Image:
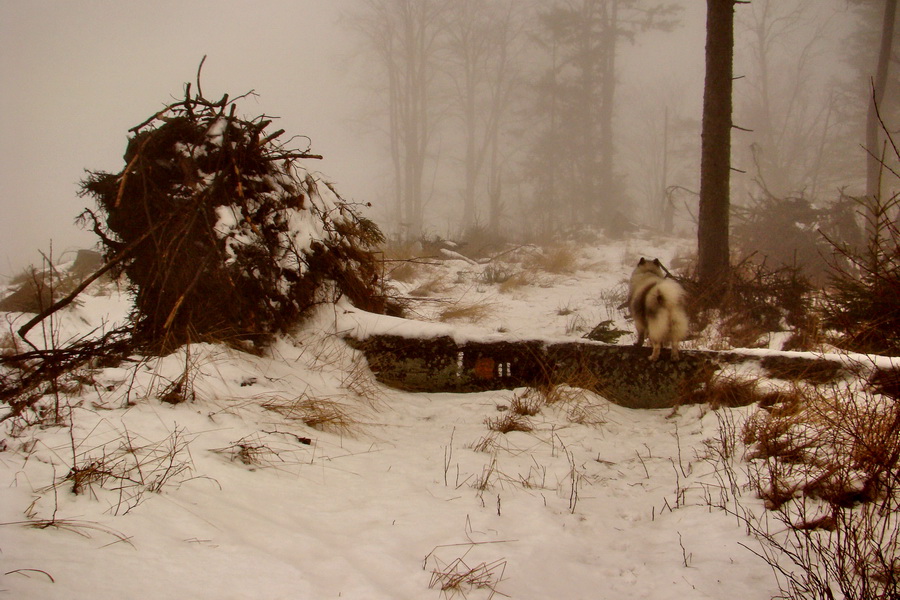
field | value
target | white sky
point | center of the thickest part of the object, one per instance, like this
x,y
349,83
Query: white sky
x,y
76,75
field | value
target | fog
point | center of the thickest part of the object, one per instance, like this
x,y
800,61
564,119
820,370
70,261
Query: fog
x,y
77,75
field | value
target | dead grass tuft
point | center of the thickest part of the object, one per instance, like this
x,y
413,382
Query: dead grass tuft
x,y
516,281
582,406
254,451
436,283
487,444
584,411
724,391
320,414
456,577
508,423
404,271
528,404
475,312
358,378
556,259
498,274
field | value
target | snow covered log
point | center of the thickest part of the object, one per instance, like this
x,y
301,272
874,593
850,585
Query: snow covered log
x,y
622,374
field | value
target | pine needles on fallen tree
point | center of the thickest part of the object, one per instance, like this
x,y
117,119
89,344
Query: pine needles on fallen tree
x,y
223,237
242,241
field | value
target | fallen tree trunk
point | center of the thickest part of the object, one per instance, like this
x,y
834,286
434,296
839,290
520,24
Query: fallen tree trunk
x,y
622,374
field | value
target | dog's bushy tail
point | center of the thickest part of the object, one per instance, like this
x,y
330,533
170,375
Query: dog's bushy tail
x,y
665,303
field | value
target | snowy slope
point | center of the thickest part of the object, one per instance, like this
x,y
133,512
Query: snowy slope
x,y
389,496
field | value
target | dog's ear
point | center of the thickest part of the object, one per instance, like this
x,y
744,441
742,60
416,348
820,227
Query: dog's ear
x,y
657,263
642,261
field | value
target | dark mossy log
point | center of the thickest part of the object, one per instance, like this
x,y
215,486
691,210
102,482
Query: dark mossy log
x,y
622,374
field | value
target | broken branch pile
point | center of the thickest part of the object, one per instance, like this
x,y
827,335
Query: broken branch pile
x,y
228,237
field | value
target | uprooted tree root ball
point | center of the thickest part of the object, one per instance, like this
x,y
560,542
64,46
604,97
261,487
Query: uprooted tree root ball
x,y
222,234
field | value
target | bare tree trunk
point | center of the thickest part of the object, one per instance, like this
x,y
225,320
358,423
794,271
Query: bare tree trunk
x,y
666,206
715,166
873,139
606,173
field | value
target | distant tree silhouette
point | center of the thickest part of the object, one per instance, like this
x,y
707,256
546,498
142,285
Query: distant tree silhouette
x,y
576,99
404,36
481,46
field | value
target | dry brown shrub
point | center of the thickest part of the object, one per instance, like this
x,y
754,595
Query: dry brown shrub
x,y
828,467
837,446
755,301
782,403
776,437
886,382
129,467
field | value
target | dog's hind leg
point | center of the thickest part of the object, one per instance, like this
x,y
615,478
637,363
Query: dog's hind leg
x,y
656,347
640,339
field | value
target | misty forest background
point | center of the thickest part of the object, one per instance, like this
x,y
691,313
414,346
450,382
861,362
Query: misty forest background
x,y
529,121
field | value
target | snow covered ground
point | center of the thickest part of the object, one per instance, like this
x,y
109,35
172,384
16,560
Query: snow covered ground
x,y
384,494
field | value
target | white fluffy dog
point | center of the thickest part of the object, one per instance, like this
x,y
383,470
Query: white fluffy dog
x,y
657,305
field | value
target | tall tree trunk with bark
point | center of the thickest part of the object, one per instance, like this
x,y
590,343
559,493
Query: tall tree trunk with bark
x,y
715,162
606,175
876,98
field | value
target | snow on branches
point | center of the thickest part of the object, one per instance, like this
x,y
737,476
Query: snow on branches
x,y
226,236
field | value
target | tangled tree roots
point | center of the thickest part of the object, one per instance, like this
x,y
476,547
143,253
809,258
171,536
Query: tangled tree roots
x,y
227,237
